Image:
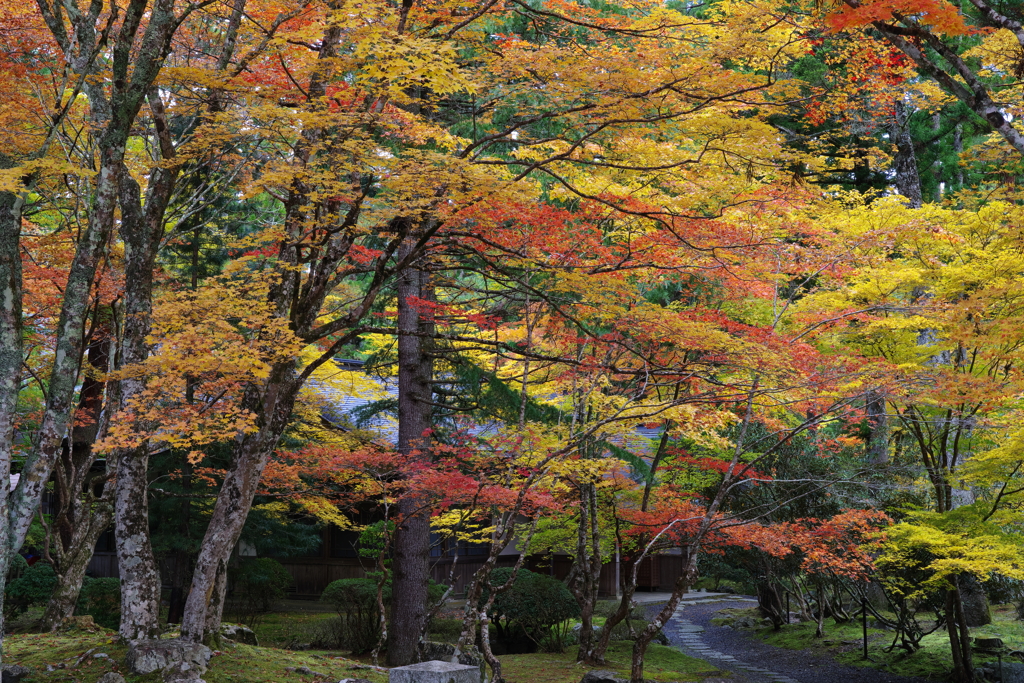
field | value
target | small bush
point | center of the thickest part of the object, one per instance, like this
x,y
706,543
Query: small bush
x,y
355,601
258,583
536,607
27,586
326,634
445,630
101,599
358,622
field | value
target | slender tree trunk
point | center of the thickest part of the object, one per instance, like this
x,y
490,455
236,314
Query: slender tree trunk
x,y
959,668
632,565
878,427
411,557
962,641
588,562
645,636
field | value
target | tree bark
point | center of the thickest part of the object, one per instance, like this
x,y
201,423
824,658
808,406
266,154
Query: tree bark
x,y
908,182
878,427
274,400
411,556
10,361
588,569
141,230
81,516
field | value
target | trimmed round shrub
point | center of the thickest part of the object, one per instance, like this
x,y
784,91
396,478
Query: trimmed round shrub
x,y
536,609
101,599
27,586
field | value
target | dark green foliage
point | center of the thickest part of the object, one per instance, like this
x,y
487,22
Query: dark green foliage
x,y
355,600
444,630
33,586
358,625
536,608
101,599
258,583
732,567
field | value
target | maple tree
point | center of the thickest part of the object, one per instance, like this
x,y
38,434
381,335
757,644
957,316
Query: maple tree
x,y
578,238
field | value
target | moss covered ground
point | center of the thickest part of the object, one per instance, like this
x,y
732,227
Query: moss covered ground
x,y
76,657
933,660
72,657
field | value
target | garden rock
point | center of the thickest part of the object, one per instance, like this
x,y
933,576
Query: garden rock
x,y
745,622
237,633
601,676
173,656
12,673
446,652
305,671
84,622
976,609
434,672
354,680
1013,672
111,677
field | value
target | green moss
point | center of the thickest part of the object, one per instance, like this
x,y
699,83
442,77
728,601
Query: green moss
x,y
235,664
661,664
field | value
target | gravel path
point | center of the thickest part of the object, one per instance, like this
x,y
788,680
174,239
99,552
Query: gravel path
x,y
754,661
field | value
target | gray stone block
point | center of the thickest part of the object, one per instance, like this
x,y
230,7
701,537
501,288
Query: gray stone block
x,y
183,657
238,634
12,673
111,677
434,672
601,676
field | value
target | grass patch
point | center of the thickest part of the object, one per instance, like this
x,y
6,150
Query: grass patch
x,y
235,664
844,643
661,664
282,629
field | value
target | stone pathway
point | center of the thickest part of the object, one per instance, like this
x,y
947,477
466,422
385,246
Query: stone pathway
x,y
689,641
752,660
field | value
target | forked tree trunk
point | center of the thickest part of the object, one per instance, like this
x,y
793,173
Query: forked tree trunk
x,y
274,400
645,636
80,516
62,602
633,563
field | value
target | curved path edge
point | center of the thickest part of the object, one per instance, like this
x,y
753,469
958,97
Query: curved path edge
x,y
754,661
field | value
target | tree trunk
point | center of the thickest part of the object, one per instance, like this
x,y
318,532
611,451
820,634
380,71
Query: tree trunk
x,y
141,230
588,568
878,427
908,182
80,516
410,565
633,564
72,570
10,360
273,401
644,638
